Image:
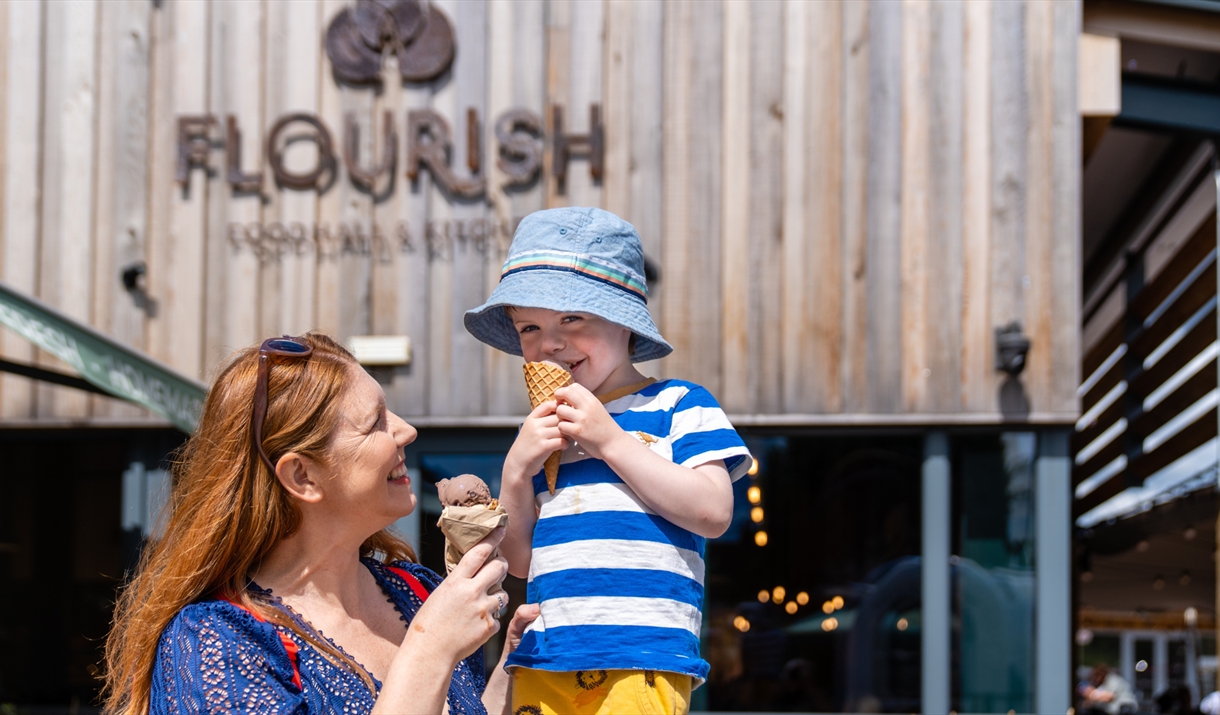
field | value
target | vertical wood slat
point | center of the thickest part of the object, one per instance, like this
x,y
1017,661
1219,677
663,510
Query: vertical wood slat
x,y
586,30
293,57
1065,223
332,203
502,72
737,287
676,246
441,396
1039,235
22,231
617,107
883,252
69,142
647,110
857,40
173,267
766,206
466,374
233,319
977,373
824,220
796,90
558,86
915,241
705,187
1008,180
945,264
120,223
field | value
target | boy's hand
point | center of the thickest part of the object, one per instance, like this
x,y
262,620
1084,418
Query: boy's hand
x,y
583,419
539,437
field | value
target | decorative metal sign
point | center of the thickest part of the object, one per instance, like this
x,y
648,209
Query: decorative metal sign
x,y
519,133
415,31
422,39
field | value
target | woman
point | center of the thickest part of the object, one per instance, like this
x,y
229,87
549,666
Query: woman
x,y
276,586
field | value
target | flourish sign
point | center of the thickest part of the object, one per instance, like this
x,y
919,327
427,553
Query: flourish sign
x,y
422,40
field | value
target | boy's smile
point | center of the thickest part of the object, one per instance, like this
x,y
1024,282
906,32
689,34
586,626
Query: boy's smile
x,y
594,350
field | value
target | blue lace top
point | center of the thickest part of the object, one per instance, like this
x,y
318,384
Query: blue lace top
x,y
214,657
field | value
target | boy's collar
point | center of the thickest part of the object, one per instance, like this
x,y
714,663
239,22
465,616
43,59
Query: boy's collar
x,y
625,390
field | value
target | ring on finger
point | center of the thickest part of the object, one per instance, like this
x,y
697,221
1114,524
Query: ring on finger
x,y
500,609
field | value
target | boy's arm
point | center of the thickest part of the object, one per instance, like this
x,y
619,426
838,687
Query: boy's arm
x,y
538,438
698,499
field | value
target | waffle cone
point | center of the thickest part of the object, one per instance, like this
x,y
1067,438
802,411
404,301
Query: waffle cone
x,y
542,379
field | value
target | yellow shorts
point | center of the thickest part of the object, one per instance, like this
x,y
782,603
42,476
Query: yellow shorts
x,y
600,692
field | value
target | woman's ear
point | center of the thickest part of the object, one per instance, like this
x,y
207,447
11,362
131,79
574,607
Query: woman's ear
x,y
297,474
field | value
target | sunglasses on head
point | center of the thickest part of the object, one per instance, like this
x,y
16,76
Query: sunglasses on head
x,y
287,347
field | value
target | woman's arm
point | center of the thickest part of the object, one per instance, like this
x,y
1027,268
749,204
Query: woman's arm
x,y
497,696
457,619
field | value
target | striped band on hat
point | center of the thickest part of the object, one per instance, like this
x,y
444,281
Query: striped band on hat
x,y
573,263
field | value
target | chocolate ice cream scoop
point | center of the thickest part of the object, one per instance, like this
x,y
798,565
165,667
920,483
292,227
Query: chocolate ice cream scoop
x,y
463,490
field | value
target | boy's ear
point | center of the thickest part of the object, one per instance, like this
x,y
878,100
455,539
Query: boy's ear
x,y
298,476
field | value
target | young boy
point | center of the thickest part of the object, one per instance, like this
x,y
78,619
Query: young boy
x,y
615,555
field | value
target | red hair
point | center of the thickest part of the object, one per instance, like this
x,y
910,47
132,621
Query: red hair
x,y
228,511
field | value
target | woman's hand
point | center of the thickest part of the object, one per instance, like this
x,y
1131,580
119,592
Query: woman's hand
x,y
496,697
457,619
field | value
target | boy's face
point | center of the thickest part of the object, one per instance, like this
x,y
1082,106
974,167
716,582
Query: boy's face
x,y
590,348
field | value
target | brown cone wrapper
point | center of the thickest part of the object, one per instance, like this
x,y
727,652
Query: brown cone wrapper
x,y
465,526
542,379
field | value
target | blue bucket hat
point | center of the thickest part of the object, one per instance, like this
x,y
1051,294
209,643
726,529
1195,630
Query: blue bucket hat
x,y
582,260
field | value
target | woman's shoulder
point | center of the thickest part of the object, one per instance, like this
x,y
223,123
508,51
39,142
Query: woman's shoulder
x,y
216,656
215,621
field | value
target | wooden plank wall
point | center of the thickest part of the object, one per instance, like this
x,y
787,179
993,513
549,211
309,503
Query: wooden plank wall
x,y
844,199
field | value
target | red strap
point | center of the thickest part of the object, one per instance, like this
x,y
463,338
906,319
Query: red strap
x,y
289,645
413,582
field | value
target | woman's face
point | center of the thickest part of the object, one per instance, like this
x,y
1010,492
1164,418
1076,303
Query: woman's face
x,y
367,479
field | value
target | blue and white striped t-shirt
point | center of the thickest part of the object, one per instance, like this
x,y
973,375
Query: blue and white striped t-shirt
x,y
620,587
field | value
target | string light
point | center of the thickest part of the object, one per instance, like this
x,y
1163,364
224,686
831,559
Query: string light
x,y
753,468
828,608
802,598
830,624
756,514
778,593
790,607
760,538
902,624
837,602
741,624
764,596
754,494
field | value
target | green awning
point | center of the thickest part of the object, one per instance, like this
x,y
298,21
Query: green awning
x,y
118,370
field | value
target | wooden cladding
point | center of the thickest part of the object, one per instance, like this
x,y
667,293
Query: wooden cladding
x,y
844,199
1150,368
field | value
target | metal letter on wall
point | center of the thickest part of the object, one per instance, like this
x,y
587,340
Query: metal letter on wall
x,y
433,152
519,132
194,145
592,145
351,151
239,180
326,154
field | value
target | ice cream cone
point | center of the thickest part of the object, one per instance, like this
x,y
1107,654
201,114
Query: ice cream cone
x,y
542,379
